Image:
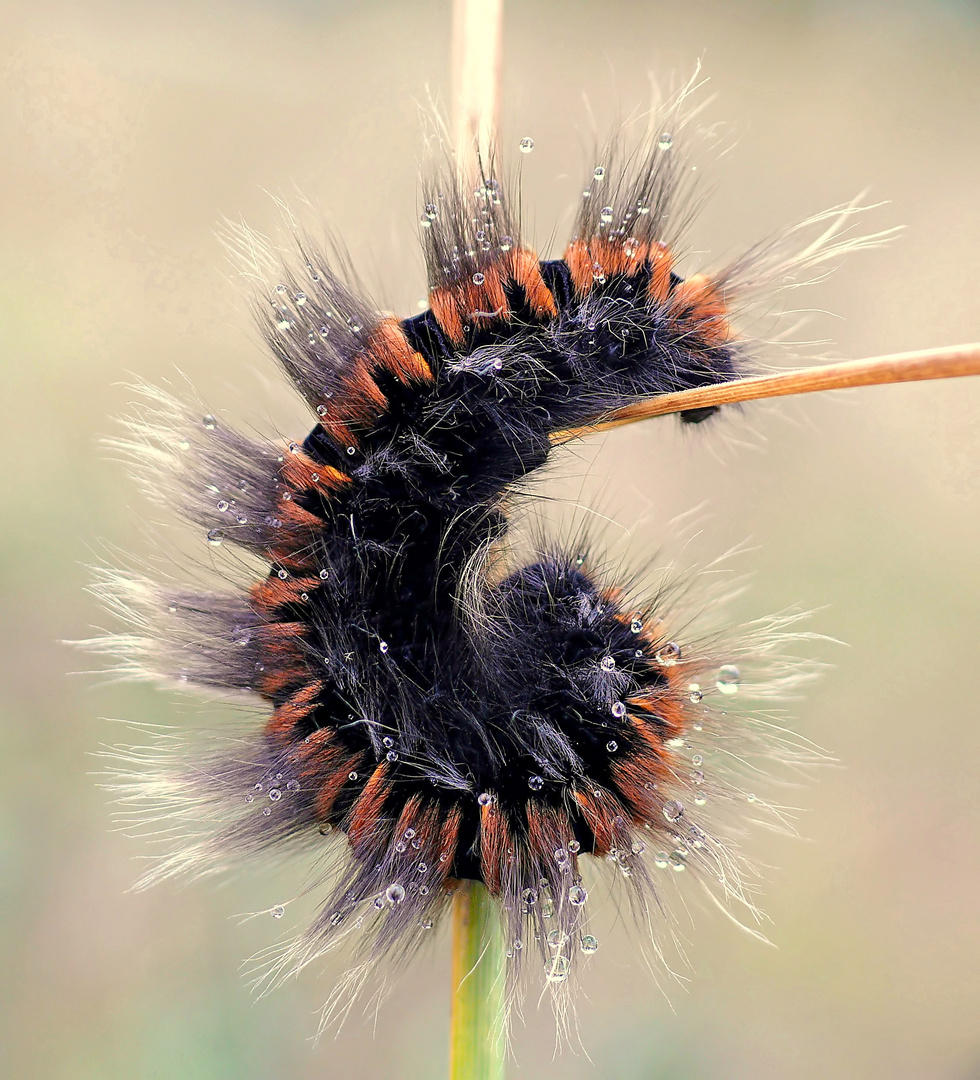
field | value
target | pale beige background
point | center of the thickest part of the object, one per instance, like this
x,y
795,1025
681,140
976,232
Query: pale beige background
x,y
127,131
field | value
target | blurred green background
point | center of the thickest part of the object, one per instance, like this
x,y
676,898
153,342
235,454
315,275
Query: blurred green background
x,y
127,132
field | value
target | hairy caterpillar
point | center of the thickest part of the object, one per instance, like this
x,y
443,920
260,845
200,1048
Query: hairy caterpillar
x,y
449,714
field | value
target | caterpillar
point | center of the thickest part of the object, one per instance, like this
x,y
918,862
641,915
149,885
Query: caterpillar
x,y
436,711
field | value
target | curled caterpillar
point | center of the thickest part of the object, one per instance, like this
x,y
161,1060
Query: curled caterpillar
x,y
446,714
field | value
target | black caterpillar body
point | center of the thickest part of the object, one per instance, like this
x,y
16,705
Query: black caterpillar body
x,y
446,714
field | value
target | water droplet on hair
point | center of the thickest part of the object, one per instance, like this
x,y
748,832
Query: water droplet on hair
x,y
324,574
547,907
300,299
394,894
529,896
267,811
618,709
431,211
661,860
673,810
351,451
637,847
478,279
484,798
284,324
666,141
612,746
588,944
697,776
391,756
292,785
215,536
608,663
668,654
636,626
354,326
526,144
557,969
606,215
275,794
223,505
599,172
677,862
352,776
728,679
695,694
556,939
282,574
399,846
506,243
249,797
383,646
535,783
698,759
210,422
277,912
574,847
577,895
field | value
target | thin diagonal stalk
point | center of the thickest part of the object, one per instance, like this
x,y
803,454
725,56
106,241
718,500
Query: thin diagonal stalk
x,y
951,362
476,1041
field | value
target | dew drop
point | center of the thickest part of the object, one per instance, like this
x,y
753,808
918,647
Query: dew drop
x,y
399,846
606,215
478,278
668,654
526,144
728,679
210,422
506,243
324,574
661,860
557,969
574,847
249,797
608,663
300,299
292,785
321,410
636,626
351,451
223,506
673,810
599,172
697,776
391,756
535,783
383,646
431,211
282,574
484,798
612,746
588,944
529,896
631,246
577,895
677,862
637,847
699,799
394,894
352,776
215,536
697,760
618,709
556,939
666,141
695,694
277,912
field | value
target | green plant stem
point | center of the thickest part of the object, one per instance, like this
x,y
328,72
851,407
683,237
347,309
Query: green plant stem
x,y
476,1039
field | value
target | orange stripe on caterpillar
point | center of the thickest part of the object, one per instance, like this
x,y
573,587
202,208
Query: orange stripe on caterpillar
x,y
494,837
388,348
366,817
588,260
697,303
285,718
273,592
334,784
303,474
481,300
600,817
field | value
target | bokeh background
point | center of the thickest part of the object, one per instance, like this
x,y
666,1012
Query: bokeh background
x,y
128,131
